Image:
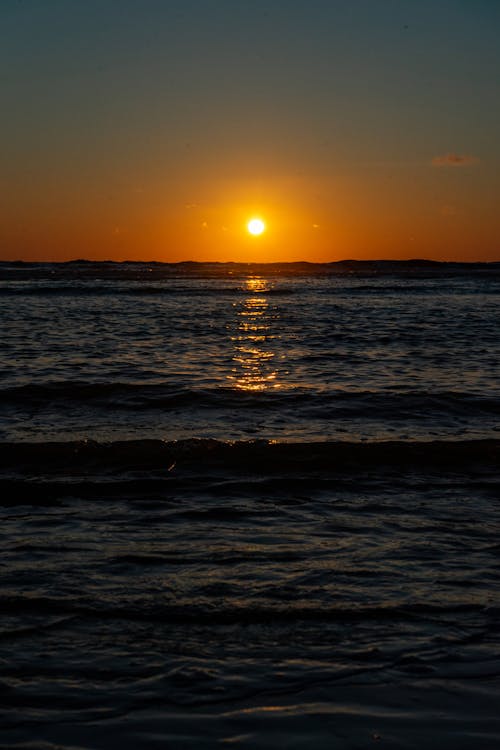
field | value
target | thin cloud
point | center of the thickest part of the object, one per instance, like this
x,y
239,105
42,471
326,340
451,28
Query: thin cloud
x,y
455,160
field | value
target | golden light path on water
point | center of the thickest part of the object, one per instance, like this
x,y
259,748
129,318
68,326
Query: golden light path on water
x,y
254,362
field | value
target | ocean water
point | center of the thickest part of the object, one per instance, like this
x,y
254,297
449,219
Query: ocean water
x,y
250,505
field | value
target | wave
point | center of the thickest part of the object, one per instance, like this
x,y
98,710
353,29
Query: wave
x,y
341,285
321,403
255,457
210,614
405,288
91,290
154,269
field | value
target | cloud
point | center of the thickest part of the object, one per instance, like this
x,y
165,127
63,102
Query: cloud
x,y
454,160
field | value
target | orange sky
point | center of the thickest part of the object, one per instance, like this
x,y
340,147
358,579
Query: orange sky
x,y
363,131
424,214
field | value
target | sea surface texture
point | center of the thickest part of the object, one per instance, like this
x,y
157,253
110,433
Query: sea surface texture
x,y
249,505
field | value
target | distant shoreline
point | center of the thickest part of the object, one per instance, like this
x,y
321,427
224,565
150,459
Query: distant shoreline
x,y
347,262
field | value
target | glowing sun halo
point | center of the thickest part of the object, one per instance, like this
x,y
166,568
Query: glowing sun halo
x,y
256,227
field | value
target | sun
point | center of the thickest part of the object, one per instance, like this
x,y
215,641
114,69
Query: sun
x,y
256,227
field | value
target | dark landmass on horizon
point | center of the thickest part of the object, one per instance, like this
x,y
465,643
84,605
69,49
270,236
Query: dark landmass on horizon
x,y
343,262
156,270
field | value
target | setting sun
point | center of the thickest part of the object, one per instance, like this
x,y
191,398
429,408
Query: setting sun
x,y
256,226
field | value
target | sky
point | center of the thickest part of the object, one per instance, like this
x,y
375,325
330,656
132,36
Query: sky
x,y
156,129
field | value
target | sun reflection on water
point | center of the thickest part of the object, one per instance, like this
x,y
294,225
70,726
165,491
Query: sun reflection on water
x,y
254,360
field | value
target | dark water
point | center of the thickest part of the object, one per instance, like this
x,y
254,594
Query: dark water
x,y
250,506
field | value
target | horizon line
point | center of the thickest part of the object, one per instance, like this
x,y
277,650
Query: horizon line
x,y
406,261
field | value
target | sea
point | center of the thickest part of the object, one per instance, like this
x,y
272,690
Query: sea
x,y
249,505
